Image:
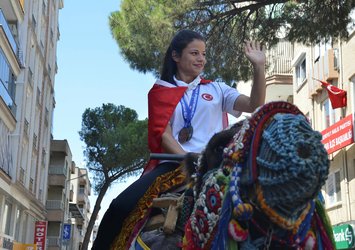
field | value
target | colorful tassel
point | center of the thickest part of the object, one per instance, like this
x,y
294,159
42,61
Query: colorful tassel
x,y
237,232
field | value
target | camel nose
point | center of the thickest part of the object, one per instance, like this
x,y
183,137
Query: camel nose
x,y
292,163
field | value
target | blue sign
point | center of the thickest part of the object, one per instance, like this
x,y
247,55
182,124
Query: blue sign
x,y
66,231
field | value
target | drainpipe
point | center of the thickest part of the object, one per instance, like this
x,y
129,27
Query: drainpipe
x,y
343,150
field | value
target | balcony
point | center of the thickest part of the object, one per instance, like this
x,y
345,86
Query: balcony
x,y
57,176
9,46
54,205
326,69
279,59
278,88
81,198
14,9
331,66
53,241
55,210
60,146
75,211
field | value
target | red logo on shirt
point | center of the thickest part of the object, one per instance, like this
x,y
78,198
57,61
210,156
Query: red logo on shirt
x,y
207,97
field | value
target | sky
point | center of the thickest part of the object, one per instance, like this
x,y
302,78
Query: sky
x,y
91,71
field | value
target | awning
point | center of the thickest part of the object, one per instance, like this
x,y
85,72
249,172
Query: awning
x,y
75,212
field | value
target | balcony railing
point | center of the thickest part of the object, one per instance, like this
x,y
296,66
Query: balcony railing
x,y
279,59
53,241
54,204
58,170
6,28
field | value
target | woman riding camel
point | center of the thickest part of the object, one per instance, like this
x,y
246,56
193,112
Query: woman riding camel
x,y
185,111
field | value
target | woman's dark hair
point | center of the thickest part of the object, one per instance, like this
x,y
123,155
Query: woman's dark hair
x,y
178,43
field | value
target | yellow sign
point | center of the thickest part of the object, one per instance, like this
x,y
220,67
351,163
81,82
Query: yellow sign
x,y
21,246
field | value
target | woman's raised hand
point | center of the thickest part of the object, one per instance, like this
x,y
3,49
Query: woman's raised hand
x,y
255,53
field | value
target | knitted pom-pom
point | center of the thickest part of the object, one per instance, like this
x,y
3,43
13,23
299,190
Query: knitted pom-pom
x,y
243,211
236,232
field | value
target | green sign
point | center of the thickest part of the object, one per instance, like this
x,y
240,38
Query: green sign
x,y
343,236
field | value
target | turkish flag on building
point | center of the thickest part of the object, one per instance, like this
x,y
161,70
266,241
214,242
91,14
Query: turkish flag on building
x,y
337,96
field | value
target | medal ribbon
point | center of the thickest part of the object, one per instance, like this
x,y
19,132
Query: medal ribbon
x,y
188,111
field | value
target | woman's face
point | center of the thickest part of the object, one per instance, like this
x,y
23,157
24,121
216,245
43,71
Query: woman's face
x,y
192,60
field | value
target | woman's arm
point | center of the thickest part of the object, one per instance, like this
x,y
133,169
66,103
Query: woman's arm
x,y
169,144
256,55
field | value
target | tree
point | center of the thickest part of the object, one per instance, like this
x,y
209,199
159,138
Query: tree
x,y
116,147
144,28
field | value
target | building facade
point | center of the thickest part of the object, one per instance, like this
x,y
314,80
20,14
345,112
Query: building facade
x,y
293,74
68,205
43,194
331,62
29,33
80,189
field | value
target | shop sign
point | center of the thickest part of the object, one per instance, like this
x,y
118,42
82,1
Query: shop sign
x,y
339,135
40,234
21,246
66,231
343,236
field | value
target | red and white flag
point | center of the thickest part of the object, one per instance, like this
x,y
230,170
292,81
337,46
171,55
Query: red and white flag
x,y
337,96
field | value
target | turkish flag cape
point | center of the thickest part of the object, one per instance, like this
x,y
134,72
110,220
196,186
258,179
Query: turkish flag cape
x,y
337,96
162,101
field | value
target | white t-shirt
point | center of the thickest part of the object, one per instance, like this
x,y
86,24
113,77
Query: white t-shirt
x,y
214,98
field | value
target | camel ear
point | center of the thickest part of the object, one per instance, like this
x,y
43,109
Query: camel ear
x,y
215,147
190,163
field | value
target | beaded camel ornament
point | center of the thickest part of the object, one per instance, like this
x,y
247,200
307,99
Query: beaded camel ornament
x,y
262,194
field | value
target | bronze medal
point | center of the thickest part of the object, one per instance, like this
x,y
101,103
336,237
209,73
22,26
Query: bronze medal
x,y
185,134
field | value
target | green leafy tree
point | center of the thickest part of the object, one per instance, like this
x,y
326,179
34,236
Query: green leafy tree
x,y
144,28
116,147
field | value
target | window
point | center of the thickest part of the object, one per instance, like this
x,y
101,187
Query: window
x,y
80,229
333,189
317,53
18,224
328,114
82,189
6,226
301,72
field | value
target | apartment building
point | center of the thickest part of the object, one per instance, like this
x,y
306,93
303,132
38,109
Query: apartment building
x,y
57,203
331,62
291,73
68,205
291,76
29,34
80,190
